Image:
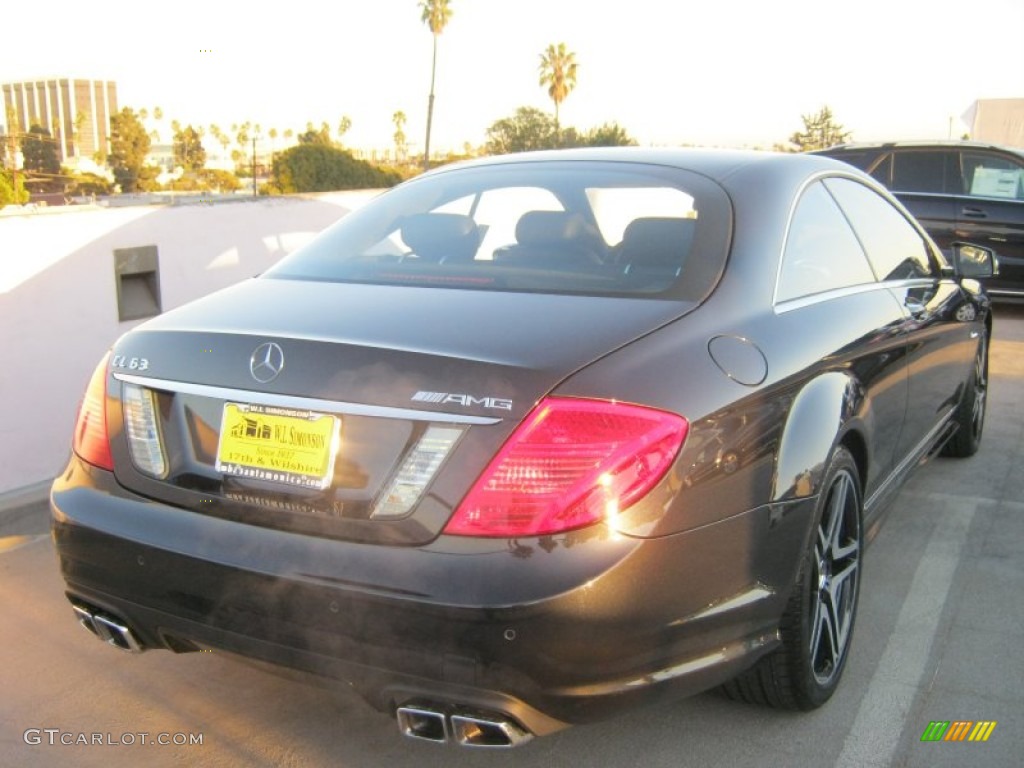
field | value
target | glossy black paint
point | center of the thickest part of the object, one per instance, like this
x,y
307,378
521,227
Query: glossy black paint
x,y
675,594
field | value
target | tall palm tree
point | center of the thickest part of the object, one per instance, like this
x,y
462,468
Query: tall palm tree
x,y
558,72
399,120
435,14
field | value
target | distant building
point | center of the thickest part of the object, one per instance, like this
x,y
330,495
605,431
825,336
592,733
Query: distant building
x,y
997,121
76,112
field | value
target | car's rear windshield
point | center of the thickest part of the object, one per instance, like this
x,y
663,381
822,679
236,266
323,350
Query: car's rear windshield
x,y
573,227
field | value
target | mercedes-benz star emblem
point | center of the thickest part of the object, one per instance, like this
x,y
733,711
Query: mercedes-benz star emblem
x,y
267,362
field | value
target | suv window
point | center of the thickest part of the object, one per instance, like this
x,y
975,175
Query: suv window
x,y
987,175
822,253
896,250
923,171
861,158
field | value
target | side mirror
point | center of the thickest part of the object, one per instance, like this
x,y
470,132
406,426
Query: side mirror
x,y
974,261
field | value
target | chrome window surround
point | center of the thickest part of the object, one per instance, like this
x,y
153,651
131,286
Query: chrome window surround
x,y
802,301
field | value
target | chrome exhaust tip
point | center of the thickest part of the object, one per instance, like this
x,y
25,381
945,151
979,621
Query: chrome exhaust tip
x,y
488,732
109,630
117,634
423,723
85,619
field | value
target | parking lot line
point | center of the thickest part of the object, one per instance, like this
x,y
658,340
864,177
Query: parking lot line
x,y
875,734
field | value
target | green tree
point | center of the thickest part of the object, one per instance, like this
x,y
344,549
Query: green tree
x,y
435,14
608,135
820,132
129,145
88,184
12,192
558,73
343,126
11,139
206,180
315,136
39,151
188,148
157,115
316,167
76,135
242,137
148,181
527,130
222,138
401,145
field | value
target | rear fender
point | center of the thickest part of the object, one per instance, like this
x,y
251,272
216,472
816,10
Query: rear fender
x,y
821,412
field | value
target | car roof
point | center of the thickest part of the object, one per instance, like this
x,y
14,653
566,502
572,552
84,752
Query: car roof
x,y
718,164
920,144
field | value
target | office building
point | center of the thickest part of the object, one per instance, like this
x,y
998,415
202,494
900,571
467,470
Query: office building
x,y
76,112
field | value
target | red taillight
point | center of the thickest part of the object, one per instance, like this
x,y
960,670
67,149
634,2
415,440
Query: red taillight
x,y
90,441
569,464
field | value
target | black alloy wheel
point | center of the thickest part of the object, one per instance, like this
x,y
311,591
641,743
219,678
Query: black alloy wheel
x,y
970,413
817,625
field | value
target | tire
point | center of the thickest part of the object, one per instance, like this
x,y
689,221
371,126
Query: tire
x,y
970,414
817,624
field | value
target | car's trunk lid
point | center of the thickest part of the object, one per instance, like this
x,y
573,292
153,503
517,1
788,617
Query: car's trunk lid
x,y
381,363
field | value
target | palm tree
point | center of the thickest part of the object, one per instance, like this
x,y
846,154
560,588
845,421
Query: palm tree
x,y
343,126
558,72
399,120
435,14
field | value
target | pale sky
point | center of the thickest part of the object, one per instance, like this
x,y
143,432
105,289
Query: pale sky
x,y
716,72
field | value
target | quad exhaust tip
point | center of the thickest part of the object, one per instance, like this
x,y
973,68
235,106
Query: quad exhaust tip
x,y
422,723
112,631
435,724
486,731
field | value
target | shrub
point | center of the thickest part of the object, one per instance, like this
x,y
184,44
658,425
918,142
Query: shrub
x,y
321,168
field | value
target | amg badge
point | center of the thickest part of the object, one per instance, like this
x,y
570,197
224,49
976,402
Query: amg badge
x,y
469,401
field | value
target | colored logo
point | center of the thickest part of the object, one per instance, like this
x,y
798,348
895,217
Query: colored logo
x,y
958,730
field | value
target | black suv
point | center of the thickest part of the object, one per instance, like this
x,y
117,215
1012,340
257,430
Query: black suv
x,y
959,191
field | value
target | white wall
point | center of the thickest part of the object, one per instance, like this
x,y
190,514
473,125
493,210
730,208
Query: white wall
x,y
58,298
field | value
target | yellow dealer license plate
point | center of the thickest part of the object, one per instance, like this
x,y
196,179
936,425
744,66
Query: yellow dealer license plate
x,y
279,445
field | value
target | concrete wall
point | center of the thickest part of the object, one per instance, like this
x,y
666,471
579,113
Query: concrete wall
x,y
58,299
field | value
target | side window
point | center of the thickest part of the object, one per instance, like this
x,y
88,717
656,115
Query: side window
x,y
822,253
923,171
987,175
882,172
894,247
860,158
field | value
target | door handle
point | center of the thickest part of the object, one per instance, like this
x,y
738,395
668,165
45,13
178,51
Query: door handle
x,y
974,213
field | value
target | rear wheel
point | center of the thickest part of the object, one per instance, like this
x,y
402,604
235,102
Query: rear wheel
x,y
817,625
970,414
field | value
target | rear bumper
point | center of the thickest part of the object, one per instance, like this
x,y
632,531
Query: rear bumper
x,y
549,631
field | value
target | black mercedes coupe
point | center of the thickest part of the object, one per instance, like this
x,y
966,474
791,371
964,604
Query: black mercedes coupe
x,y
529,440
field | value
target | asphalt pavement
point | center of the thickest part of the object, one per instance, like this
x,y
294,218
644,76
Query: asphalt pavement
x,y
939,639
